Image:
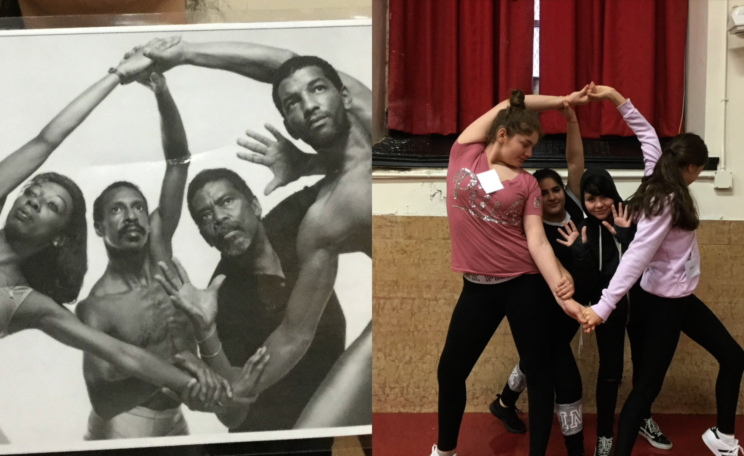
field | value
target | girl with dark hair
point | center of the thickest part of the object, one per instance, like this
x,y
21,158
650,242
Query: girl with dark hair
x,y
665,255
598,244
43,253
560,205
499,245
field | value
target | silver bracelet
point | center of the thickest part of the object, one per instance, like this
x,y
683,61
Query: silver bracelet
x,y
179,161
207,338
214,355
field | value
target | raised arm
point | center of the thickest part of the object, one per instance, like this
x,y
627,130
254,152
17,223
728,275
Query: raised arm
x,y
650,145
253,61
177,156
476,132
19,165
574,150
318,258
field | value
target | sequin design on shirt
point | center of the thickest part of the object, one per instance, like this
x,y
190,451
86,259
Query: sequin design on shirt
x,y
489,209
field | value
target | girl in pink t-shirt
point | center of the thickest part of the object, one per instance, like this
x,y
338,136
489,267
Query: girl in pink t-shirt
x,y
499,244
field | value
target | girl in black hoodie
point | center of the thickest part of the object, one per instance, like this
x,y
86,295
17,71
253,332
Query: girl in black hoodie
x,y
597,245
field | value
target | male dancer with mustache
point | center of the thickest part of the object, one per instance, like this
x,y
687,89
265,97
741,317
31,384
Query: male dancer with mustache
x,y
127,302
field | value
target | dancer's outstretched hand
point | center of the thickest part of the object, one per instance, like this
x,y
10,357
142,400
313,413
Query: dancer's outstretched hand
x,y
244,385
621,219
199,305
570,234
280,155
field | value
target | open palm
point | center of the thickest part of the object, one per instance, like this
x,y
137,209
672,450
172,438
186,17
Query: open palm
x,y
200,305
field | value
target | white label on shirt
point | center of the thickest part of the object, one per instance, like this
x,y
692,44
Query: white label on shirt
x,y
490,181
692,266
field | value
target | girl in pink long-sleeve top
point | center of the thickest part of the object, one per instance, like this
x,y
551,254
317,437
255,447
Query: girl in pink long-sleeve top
x,y
665,254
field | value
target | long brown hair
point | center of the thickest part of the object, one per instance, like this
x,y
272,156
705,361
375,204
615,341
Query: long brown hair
x,y
666,185
516,119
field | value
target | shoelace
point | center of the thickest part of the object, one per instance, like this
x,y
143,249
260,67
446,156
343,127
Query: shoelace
x,y
653,428
605,445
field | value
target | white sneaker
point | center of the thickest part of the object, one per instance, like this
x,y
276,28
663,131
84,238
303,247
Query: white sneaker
x,y
435,452
718,446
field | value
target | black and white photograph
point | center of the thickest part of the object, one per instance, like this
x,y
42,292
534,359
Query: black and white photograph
x,y
186,235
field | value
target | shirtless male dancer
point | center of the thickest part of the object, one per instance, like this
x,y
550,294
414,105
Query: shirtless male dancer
x,y
333,115
128,304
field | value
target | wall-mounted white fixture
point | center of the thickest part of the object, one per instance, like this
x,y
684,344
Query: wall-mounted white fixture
x,y
736,20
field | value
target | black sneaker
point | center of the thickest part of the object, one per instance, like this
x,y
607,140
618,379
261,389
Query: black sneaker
x,y
651,432
604,446
508,416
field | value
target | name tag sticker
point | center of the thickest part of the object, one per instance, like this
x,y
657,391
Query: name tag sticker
x,y
490,181
692,267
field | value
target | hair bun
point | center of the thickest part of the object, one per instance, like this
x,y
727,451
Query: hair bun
x,y
516,100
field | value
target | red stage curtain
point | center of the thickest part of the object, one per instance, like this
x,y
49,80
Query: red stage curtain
x,y
451,60
636,46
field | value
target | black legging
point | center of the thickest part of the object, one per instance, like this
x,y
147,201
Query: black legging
x,y
657,323
611,347
529,305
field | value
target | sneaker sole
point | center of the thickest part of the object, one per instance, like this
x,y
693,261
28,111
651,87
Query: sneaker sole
x,y
508,428
654,443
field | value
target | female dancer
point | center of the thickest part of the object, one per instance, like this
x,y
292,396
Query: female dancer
x,y
499,244
598,244
560,205
665,254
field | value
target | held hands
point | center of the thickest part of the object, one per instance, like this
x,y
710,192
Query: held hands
x,y
600,93
208,392
202,398
132,65
622,220
281,156
578,98
574,310
590,319
199,305
163,53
